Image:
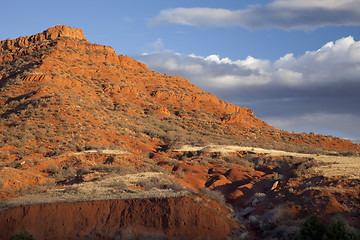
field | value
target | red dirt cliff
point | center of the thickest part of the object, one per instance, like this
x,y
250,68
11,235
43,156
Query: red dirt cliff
x,y
177,218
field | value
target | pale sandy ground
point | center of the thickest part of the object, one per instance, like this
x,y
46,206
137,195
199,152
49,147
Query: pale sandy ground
x,y
108,188
334,165
104,151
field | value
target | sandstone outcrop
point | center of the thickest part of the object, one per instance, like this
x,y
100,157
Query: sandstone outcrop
x,y
49,34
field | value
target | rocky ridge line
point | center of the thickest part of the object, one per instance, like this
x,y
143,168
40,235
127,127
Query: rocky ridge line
x,y
49,34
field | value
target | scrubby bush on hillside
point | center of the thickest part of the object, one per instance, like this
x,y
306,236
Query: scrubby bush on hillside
x,y
213,194
22,236
313,228
239,160
274,217
160,183
339,229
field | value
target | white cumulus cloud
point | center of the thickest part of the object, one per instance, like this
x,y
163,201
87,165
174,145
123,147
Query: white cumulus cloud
x,y
283,14
326,80
333,63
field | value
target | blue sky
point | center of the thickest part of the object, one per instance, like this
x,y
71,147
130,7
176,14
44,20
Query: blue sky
x,y
296,63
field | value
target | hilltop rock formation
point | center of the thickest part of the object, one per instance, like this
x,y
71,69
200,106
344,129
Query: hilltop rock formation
x,y
49,34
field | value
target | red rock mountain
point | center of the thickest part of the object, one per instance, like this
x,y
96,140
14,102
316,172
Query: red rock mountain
x,y
102,95
60,92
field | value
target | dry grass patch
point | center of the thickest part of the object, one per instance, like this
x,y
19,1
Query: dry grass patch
x,y
329,165
147,185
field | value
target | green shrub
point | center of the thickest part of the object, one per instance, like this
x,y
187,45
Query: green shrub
x,y
312,228
22,236
339,229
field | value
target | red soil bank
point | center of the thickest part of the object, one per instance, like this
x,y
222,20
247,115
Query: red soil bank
x,y
177,218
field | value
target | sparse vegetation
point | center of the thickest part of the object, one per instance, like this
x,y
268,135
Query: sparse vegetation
x,y
239,160
339,229
313,228
160,183
213,194
22,236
